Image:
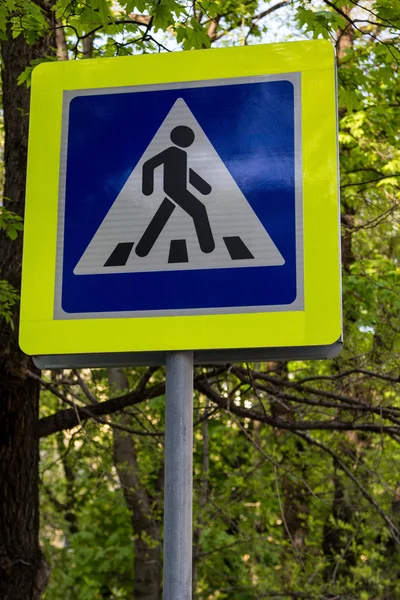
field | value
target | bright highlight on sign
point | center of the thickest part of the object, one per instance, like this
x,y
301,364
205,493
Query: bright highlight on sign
x,y
184,201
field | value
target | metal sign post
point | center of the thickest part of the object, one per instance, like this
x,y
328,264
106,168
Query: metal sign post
x,y
178,489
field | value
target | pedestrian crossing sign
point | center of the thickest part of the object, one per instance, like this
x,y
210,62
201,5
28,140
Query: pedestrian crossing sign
x,y
184,201
211,228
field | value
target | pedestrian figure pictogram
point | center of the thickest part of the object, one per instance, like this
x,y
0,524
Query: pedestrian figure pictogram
x,y
175,183
180,209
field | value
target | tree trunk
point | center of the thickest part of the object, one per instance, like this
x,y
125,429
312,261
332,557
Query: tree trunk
x,y
147,545
337,542
344,43
61,42
23,571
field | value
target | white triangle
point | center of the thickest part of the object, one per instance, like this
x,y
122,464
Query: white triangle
x,y
229,213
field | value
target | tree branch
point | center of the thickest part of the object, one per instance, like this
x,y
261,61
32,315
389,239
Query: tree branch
x,y
254,21
392,527
68,418
326,425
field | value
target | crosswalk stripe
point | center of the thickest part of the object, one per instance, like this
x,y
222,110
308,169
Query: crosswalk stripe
x,y
237,248
178,252
119,255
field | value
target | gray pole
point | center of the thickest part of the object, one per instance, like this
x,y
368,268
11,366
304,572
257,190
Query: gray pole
x,y
178,481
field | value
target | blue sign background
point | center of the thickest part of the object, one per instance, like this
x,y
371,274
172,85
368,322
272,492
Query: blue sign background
x,y
107,136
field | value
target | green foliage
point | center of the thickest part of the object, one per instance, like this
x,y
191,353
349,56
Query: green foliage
x,y
24,17
8,298
320,23
10,223
98,557
87,536
165,13
193,36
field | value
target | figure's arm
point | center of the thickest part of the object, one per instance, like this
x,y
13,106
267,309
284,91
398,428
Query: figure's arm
x,y
148,173
198,182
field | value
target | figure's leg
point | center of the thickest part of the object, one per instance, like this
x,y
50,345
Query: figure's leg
x,y
198,212
155,227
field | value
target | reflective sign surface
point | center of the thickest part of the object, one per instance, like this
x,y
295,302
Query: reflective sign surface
x,y
183,201
203,196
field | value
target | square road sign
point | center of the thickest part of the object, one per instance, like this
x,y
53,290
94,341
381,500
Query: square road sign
x,y
183,201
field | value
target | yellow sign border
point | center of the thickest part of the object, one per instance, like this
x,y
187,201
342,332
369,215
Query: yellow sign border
x,y
318,324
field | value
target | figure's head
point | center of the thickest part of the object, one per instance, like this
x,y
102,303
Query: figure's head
x,y
182,136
